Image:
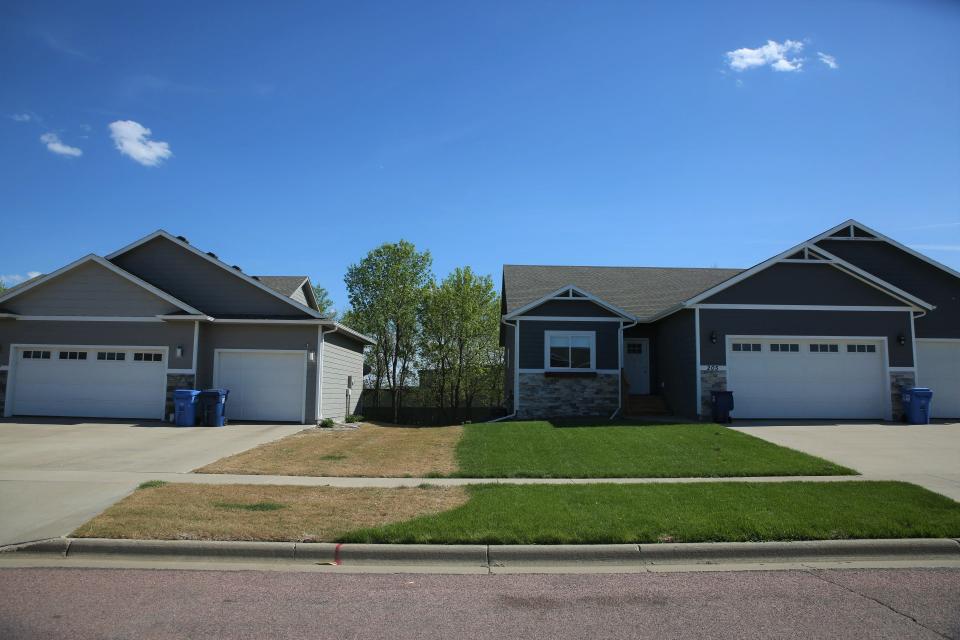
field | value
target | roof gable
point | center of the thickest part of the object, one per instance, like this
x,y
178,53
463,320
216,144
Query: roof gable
x,y
570,301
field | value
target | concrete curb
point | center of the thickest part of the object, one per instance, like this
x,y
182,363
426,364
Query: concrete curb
x,y
497,555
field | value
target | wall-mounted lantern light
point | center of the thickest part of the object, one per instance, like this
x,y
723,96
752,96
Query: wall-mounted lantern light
x,y
714,337
312,355
179,351
901,339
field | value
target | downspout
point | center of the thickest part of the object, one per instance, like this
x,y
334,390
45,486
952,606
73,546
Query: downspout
x,y
913,344
318,412
620,369
516,370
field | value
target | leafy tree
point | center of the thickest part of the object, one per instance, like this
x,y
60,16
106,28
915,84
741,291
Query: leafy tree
x,y
386,289
323,300
3,287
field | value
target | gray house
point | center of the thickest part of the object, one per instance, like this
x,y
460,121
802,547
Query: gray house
x,y
113,336
834,327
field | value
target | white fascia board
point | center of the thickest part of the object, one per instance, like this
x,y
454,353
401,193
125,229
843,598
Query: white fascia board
x,y
109,266
239,274
743,275
891,290
587,296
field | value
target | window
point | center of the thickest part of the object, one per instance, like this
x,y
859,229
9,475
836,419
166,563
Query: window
x,y
73,355
572,350
148,357
36,355
785,348
111,355
745,346
861,348
634,347
824,348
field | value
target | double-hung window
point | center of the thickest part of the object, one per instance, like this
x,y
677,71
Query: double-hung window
x,y
570,350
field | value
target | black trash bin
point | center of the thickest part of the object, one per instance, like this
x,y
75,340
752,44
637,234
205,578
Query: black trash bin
x,y
213,403
721,404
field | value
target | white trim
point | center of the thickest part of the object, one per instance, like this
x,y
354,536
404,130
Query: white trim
x,y
556,295
321,362
4,367
937,339
174,317
696,342
516,367
902,368
303,391
913,341
879,236
877,283
196,345
570,319
186,245
605,372
30,284
570,334
11,376
319,321
713,367
782,335
799,307
91,318
182,371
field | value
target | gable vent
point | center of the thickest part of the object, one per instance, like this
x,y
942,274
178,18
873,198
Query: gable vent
x,y
184,239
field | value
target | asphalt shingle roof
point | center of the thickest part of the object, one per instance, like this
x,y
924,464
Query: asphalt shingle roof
x,y
642,291
287,285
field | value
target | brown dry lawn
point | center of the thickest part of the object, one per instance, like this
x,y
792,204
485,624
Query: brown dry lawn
x,y
373,450
268,513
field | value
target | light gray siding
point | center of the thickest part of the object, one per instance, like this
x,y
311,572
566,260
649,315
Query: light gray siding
x,y
888,324
201,283
134,334
911,274
815,284
342,358
300,295
532,341
568,308
676,359
509,360
259,336
89,290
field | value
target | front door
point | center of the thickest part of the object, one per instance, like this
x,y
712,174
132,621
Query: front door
x,y
636,365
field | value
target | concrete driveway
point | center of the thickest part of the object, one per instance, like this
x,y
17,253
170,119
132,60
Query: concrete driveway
x,y
55,475
927,455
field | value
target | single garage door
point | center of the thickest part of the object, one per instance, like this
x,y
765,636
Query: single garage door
x,y
264,385
104,382
938,367
811,378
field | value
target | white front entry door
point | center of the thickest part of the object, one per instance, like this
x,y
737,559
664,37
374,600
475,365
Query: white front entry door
x,y
264,385
787,377
89,382
938,367
636,365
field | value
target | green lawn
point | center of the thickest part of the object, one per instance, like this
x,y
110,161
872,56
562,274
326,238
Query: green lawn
x,y
701,512
543,450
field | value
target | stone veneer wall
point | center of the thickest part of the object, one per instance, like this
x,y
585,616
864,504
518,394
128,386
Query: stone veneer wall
x,y
176,381
3,391
900,380
543,396
711,381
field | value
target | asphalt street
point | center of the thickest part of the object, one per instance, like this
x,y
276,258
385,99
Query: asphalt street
x,y
146,604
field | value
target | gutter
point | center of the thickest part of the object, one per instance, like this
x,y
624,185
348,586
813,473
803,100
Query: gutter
x,y
516,369
318,411
620,369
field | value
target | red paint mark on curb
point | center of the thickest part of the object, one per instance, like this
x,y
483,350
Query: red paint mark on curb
x,y
336,554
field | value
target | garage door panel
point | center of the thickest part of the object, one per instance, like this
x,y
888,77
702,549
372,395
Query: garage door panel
x,y
938,367
264,385
807,383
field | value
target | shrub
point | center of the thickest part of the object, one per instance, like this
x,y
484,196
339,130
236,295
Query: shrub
x,y
353,417
150,484
327,423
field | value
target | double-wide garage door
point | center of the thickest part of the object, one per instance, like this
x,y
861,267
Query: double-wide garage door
x,y
88,382
810,378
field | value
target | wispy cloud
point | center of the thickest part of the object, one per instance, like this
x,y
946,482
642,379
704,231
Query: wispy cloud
x,y
132,139
61,46
21,117
776,55
54,145
936,225
828,60
936,247
15,278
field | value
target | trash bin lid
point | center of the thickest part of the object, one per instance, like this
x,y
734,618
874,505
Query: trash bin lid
x,y
215,392
921,391
185,393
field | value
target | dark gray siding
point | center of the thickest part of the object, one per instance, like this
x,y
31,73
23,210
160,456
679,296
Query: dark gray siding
x,y
200,283
134,334
648,331
89,290
570,308
342,357
295,337
805,323
677,362
532,345
788,283
911,274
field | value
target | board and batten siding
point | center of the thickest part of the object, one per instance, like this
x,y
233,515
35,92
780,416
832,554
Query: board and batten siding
x,y
89,289
676,358
342,359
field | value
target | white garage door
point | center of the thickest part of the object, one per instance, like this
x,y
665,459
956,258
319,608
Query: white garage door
x,y
811,378
103,382
938,367
264,385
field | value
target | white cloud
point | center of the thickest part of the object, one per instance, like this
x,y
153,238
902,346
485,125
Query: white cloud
x,y
16,278
54,145
828,60
133,139
21,117
773,54
936,247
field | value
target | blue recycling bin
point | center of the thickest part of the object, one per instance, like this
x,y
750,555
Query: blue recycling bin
x,y
916,405
185,407
213,403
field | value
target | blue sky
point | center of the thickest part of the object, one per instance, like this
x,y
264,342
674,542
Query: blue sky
x,y
292,138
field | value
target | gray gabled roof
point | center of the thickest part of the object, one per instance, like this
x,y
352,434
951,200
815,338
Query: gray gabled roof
x,y
643,291
287,285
